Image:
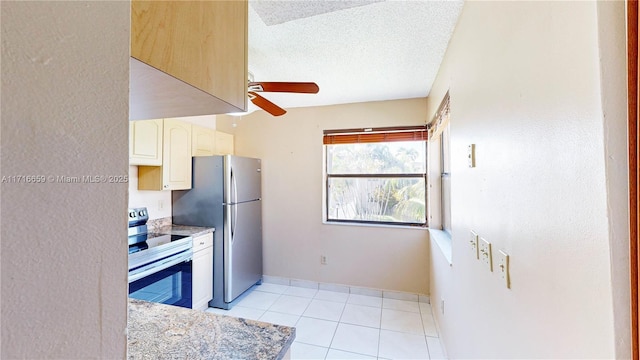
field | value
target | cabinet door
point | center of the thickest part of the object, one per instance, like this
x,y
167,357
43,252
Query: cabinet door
x,y
202,277
203,141
176,155
203,43
145,142
224,143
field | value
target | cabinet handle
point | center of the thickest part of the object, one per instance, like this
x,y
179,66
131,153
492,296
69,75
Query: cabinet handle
x,y
202,243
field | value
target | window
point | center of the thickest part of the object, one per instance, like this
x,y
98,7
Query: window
x,y
376,176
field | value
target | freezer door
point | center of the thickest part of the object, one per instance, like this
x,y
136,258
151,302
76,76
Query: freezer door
x,y
242,179
242,248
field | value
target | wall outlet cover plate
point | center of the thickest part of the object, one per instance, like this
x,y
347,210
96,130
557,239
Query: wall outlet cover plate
x,y
473,243
485,253
503,268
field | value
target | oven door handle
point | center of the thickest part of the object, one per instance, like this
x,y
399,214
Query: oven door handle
x,y
167,263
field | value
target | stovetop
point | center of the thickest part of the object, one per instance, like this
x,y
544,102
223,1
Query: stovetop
x,y
146,248
150,240
157,248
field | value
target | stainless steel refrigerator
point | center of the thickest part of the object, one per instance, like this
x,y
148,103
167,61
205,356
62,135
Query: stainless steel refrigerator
x,y
226,195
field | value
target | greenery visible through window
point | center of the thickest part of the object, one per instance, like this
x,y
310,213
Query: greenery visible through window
x,y
376,182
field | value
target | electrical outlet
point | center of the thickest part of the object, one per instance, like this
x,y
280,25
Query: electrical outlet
x,y
485,253
323,260
160,204
503,268
442,306
473,242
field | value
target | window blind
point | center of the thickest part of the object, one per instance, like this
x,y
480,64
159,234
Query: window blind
x,y
373,135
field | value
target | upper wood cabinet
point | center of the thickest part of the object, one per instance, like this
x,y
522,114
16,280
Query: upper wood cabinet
x,y
207,142
145,142
203,141
224,143
175,172
188,58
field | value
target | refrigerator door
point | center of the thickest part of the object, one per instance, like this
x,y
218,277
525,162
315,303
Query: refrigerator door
x,y
242,179
242,248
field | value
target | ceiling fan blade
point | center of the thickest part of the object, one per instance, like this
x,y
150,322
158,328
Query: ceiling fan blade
x,y
293,87
266,105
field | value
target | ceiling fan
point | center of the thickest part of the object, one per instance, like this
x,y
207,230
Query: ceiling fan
x,y
254,87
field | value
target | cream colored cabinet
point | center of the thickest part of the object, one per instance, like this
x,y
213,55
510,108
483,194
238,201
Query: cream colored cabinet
x,y
207,142
188,58
203,141
202,276
224,143
175,172
145,142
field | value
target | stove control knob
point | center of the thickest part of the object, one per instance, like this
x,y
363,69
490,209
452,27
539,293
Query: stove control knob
x,y
132,214
141,213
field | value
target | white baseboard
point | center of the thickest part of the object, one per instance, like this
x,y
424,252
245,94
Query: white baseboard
x,y
389,294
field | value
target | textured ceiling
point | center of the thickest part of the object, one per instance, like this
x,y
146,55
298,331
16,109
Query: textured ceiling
x,y
355,50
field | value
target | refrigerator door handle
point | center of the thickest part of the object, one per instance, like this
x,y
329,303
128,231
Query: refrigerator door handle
x,y
234,217
229,225
234,189
234,200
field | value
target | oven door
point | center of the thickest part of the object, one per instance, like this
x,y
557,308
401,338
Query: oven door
x,y
167,282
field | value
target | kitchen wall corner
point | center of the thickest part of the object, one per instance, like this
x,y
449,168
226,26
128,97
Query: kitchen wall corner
x,y
157,202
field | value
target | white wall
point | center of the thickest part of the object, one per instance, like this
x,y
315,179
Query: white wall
x,y
525,84
64,113
208,121
294,235
613,79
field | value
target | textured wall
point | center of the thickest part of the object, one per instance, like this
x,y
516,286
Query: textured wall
x,y
526,89
294,235
64,114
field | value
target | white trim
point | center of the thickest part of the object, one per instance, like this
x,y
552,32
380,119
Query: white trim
x,y
356,290
443,240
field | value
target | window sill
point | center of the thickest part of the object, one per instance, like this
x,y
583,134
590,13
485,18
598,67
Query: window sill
x,y
443,240
388,226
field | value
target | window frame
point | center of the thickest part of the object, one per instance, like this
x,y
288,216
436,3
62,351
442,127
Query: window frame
x,y
440,168
445,176
366,136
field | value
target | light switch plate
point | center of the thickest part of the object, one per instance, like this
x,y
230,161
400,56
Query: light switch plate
x,y
503,268
485,253
473,243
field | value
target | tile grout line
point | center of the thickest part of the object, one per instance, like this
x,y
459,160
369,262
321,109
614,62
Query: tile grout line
x,y
424,331
339,321
380,328
336,330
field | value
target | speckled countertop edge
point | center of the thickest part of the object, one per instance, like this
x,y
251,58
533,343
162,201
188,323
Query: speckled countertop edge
x,y
185,230
164,226
158,331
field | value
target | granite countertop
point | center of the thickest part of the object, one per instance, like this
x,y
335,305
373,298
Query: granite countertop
x,y
164,226
184,230
158,331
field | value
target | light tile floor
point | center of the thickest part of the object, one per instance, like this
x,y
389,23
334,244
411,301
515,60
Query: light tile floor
x,y
335,325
